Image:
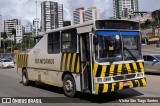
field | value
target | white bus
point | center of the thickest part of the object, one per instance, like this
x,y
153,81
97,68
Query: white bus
x,y
94,57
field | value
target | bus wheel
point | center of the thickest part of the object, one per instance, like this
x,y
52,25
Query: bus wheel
x,y
25,80
69,86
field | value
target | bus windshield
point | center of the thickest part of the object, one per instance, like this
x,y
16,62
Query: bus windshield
x,y
131,48
117,46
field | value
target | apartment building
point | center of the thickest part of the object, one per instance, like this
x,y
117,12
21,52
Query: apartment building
x,y
51,15
123,8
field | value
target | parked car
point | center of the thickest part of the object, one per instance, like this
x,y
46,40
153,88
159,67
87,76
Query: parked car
x,y
152,63
6,63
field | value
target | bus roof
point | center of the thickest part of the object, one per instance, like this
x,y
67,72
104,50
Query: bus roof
x,y
71,26
86,24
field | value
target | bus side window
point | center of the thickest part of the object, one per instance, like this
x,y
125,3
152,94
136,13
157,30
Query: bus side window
x,y
54,43
69,40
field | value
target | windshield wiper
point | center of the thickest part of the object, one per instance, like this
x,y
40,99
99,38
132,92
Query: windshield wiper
x,y
135,59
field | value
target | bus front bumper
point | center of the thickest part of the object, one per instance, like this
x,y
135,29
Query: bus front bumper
x,y
116,86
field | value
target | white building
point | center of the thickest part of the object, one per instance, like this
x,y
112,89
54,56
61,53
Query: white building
x,y
60,15
51,15
142,16
9,25
122,7
19,33
78,16
91,14
36,21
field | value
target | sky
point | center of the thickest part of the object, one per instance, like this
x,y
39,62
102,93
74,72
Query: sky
x,y
25,10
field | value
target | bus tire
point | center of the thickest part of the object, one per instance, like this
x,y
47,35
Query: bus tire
x,y
69,86
25,80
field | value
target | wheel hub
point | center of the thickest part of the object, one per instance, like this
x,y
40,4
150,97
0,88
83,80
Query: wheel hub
x,y
68,86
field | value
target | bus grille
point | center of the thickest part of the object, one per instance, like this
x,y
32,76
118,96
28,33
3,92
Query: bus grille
x,y
124,77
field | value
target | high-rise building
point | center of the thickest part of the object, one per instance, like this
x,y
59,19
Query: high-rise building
x,y
123,8
51,15
19,33
60,15
0,29
0,23
9,25
78,16
91,14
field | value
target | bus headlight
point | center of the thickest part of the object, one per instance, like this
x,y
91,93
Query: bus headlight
x,y
139,75
99,80
107,79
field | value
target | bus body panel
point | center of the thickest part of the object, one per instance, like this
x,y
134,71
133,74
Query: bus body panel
x,y
45,76
71,62
45,61
111,87
49,68
120,73
84,29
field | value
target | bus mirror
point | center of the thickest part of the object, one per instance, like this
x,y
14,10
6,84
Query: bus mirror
x,y
95,40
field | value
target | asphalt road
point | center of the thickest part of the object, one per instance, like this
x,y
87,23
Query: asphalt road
x,y
11,86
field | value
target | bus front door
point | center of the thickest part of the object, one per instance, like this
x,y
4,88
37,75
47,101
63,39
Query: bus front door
x,y
85,62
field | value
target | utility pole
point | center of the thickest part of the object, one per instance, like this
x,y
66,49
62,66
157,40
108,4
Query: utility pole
x,y
11,44
36,17
4,50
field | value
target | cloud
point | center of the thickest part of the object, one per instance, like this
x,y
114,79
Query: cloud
x,y
26,9
149,5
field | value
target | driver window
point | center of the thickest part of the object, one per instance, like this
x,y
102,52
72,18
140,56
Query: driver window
x,y
69,41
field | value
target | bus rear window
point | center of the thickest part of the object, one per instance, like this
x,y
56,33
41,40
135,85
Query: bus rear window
x,y
54,43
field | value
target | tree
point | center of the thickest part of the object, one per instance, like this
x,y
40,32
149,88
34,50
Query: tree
x,y
66,23
27,43
4,36
142,25
148,23
16,47
14,34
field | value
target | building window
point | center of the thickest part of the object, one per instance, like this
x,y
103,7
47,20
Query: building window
x,y
54,43
69,40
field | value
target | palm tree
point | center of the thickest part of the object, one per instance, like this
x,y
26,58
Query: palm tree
x,y
4,36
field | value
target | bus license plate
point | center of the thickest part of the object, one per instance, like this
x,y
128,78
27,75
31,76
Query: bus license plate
x,y
126,83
